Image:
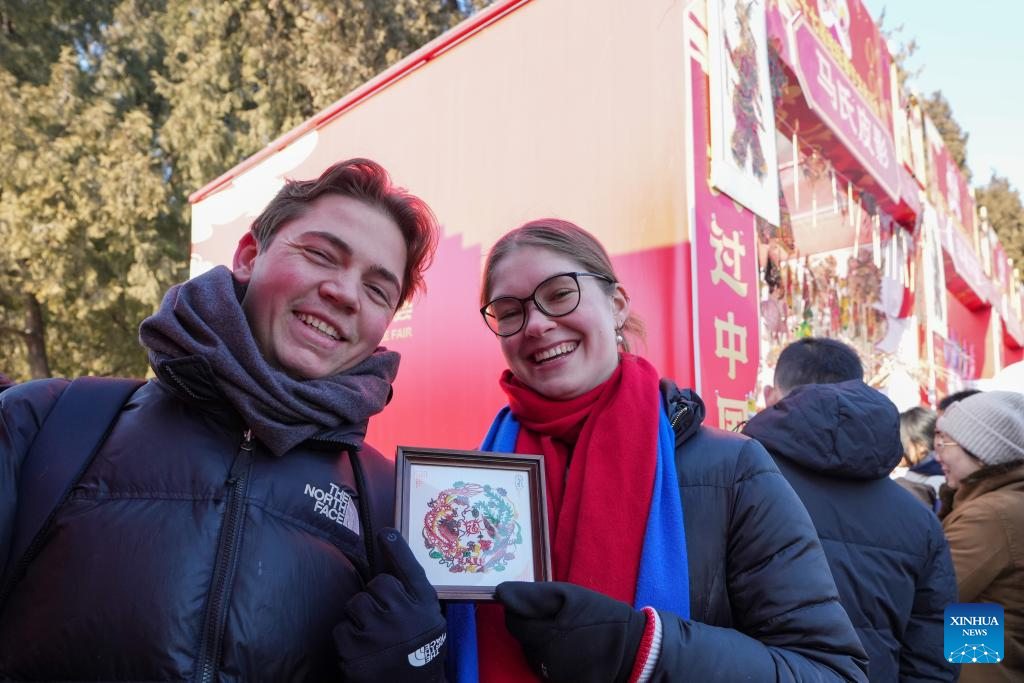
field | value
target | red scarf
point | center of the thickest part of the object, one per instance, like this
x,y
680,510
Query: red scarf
x,y
600,453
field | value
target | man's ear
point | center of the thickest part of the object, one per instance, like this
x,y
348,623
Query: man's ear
x,y
245,256
620,305
772,395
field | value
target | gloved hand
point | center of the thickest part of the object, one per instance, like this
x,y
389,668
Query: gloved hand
x,y
394,630
570,633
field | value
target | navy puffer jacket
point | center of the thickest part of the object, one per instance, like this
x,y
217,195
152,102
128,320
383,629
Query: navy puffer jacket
x,y
837,444
186,552
763,604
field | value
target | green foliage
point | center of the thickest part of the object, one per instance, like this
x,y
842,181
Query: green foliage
x,y
33,33
115,110
1006,215
81,214
241,73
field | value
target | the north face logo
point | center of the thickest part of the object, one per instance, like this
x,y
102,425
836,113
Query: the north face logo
x,y
336,505
424,654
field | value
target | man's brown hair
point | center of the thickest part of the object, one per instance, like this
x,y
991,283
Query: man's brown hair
x,y
368,182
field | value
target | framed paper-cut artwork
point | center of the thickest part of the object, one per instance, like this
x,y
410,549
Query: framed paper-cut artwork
x,y
473,519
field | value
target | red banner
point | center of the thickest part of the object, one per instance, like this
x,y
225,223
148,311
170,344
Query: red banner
x,y
835,99
948,187
939,362
1013,332
967,349
725,283
851,37
965,277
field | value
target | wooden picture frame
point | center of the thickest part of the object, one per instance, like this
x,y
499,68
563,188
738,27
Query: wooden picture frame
x,y
473,519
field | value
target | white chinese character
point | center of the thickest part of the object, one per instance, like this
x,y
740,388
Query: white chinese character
x,y
845,104
864,127
731,413
729,252
730,342
825,77
403,313
881,149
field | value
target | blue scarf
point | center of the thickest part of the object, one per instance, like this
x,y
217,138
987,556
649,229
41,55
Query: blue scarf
x,y
664,578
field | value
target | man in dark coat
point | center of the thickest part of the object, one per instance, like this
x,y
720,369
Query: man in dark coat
x,y
836,440
224,529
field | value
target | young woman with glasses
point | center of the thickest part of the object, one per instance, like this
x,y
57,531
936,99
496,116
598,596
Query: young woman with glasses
x,y
679,552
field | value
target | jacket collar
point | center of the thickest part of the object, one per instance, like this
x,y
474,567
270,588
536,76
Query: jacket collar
x,y
989,479
685,410
846,430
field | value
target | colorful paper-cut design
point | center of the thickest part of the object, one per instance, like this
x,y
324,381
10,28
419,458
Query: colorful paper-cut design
x,y
746,96
472,528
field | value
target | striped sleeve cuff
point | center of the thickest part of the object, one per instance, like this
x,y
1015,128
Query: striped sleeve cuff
x,y
649,650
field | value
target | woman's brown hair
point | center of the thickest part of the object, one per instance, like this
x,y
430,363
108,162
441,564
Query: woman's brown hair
x,y
569,240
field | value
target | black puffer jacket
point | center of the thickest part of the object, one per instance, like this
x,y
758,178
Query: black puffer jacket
x,y
762,601
837,444
193,555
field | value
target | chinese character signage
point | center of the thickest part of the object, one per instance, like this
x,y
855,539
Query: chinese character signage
x,y
849,34
965,276
919,161
947,186
724,255
743,158
853,119
933,280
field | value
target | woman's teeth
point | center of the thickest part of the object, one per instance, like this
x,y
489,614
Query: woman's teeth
x,y
554,352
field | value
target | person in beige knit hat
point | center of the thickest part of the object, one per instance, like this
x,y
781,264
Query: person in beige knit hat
x,y
986,429
979,442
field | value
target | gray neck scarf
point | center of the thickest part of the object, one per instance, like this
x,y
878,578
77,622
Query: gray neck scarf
x,y
201,323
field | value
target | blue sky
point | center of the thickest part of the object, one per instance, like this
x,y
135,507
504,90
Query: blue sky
x,y
974,53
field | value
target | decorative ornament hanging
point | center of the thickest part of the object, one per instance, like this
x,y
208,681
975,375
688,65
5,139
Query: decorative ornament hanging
x,y
835,192
796,168
856,230
849,203
876,240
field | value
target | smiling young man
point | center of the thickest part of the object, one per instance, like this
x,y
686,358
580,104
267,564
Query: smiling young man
x,y
225,527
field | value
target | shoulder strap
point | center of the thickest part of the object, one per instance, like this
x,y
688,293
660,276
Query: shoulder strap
x,y
66,443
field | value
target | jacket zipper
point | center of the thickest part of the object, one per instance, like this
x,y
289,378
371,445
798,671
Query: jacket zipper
x,y
680,414
215,618
182,385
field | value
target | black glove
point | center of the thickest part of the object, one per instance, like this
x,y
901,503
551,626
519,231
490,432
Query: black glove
x,y
570,633
394,630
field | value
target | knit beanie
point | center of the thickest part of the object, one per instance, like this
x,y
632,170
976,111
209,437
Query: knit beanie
x,y
990,425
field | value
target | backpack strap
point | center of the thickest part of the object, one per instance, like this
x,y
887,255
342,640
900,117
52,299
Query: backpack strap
x,y
64,447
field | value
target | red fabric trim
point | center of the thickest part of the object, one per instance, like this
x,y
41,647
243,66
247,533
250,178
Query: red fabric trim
x,y
600,453
610,437
645,646
499,655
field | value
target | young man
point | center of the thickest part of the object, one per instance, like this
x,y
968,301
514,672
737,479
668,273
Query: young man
x,y
836,440
224,529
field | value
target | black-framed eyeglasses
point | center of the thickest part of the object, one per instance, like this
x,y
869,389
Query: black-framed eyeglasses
x,y
555,297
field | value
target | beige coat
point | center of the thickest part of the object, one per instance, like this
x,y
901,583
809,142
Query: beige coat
x,y
986,537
